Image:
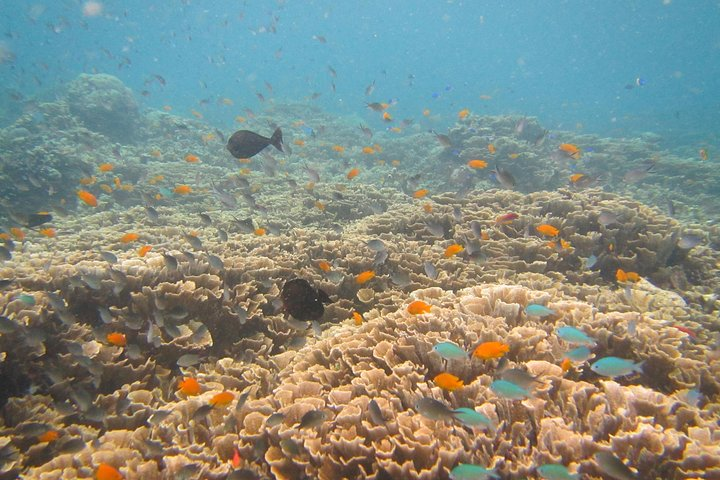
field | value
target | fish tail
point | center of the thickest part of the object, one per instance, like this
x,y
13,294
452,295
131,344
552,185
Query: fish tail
x,y
276,140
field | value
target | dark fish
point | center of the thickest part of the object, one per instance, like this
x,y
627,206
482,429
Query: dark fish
x,y
245,144
152,214
171,262
205,219
443,139
5,253
202,412
613,466
432,409
312,419
6,282
245,226
302,300
73,445
375,106
688,241
504,177
242,474
37,219
375,412
109,257
275,419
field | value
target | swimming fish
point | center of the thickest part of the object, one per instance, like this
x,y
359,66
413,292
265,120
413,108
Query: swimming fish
x,y
87,198
353,173
613,466
477,164
107,472
36,219
468,471
547,230
364,277
509,390
519,377
453,250
189,386
312,419
432,409
506,218
450,351
375,412
302,300
570,150
117,339
182,190
129,237
221,399
448,381
579,354
490,350
245,144
538,310
555,471
418,307
615,367
575,336
503,177
472,418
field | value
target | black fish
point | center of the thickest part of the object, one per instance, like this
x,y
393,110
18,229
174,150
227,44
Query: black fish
x,y
245,144
302,300
37,219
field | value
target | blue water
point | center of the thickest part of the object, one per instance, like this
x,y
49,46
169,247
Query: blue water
x,y
566,62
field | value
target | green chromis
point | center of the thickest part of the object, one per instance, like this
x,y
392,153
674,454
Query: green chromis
x,y
432,409
509,390
450,351
579,354
472,418
554,471
575,336
615,367
468,471
536,310
613,466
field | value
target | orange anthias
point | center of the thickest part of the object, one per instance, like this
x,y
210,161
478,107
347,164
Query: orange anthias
x,y
182,190
324,266
107,472
129,237
421,193
357,318
548,230
87,197
105,167
490,350
571,150
49,436
117,339
453,250
364,277
477,164
221,399
142,251
448,381
353,173
189,386
418,307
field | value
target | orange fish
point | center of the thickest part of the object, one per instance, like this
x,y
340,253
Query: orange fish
x,y
491,148
189,386
129,237
240,119
338,149
514,155
506,218
703,154
107,472
156,153
387,117
156,179
364,277
190,158
490,350
368,150
117,339
418,307
623,276
353,173
49,436
259,232
448,381
421,193
182,190
426,112
324,266
428,207
106,167
453,250
357,318
88,180
87,197
576,177
48,232
117,182
319,205
222,399
142,251
570,150
18,234
566,364
196,114
548,230
395,163
106,188
477,164
462,114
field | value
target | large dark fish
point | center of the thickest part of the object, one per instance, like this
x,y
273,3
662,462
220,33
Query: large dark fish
x,y
245,144
302,300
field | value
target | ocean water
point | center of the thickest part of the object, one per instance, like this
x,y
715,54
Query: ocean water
x,y
487,247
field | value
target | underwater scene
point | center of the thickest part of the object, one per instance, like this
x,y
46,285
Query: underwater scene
x,y
286,239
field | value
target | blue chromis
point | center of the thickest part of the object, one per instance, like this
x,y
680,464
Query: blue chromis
x,y
536,310
613,466
472,418
509,390
468,471
450,351
615,367
554,471
579,354
575,336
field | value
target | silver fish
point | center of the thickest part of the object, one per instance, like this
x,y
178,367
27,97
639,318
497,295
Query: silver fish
x,y
375,413
312,419
432,409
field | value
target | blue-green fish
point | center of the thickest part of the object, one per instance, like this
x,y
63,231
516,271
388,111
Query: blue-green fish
x,y
472,418
615,367
468,471
450,351
579,354
432,409
509,390
575,336
538,310
613,466
25,298
554,471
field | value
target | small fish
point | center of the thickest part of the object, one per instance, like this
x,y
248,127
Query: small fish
x,y
579,355
503,177
275,419
491,350
519,377
36,219
506,218
170,261
536,310
453,250
570,150
376,245
189,386
477,164
202,412
432,409
574,336
430,270
188,360
468,471
448,382
615,367
613,466
375,413
472,418
688,241
152,213
353,173
637,174
450,351
364,277
443,139
607,218
547,230
418,307
87,198
246,144
370,89
509,390
129,237
221,399
107,472
117,339
312,419
182,190
554,471
703,154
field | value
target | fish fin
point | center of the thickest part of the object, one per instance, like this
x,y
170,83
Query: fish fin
x,y
276,140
